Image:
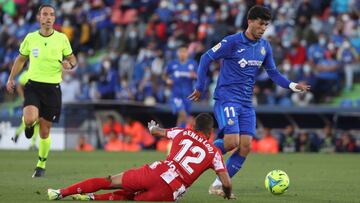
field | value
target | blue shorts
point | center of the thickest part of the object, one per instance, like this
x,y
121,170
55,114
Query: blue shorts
x,y
234,118
180,104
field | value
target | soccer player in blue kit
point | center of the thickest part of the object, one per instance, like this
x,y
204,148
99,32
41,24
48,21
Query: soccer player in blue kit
x,y
243,54
181,75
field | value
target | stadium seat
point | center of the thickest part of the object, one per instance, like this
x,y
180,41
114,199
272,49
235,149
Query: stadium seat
x,y
346,103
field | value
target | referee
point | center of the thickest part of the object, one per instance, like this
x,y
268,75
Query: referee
x,y
48,52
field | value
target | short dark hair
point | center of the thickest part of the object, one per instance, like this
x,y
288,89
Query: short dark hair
x,y
204,122
183,46
111,117
44,6
259,12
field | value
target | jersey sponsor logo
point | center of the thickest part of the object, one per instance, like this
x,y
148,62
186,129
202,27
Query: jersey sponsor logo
x,y
35,52
218,163
216,47
155,164
263,51
185,74
244,63
173,132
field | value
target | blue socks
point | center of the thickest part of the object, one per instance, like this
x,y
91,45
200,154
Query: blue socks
x,y
234,163
219,143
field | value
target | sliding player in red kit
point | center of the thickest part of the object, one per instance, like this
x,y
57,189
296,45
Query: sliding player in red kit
x,y
191,154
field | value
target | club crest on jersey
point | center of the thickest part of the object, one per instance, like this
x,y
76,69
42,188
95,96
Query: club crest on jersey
x,y
35,52
263,51
230,122
216,47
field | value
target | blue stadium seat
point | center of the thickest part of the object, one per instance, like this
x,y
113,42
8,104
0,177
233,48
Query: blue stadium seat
x,y
358,102
346,103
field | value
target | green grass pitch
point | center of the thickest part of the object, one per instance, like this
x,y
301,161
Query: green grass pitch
x,y
313,177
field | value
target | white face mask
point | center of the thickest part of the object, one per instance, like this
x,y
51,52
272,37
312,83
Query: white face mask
x,y
345,17
208,10
322,41
223,7
332,20
185,18
21,21
179,6
86,6
132,34
66,23
307,68
107,65
193,7
203,19
287,67
163,4
346,44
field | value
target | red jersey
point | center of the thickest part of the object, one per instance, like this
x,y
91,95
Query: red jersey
x,y
191,154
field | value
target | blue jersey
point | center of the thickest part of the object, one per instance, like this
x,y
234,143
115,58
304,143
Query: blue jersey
x,y
181,75
242,58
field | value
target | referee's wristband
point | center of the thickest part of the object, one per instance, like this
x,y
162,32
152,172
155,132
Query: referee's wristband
x,y
72,66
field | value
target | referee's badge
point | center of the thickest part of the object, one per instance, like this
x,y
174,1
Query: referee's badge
x,y
263,51
35,52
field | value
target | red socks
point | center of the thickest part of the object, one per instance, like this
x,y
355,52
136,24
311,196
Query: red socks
x,y
117,195
86,186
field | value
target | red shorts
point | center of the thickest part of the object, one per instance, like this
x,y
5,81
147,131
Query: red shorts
x,y
148,184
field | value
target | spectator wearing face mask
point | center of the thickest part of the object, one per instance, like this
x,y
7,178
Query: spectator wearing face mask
x,y
348,56
107,81
70,88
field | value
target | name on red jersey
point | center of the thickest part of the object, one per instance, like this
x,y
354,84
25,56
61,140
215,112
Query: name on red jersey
x,y
200,139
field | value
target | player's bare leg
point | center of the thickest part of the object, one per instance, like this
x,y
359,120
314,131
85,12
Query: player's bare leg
x,y
181,119
31,115
230,142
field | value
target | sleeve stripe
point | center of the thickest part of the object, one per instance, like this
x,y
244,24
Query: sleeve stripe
x,y
68,55
23,55
210,56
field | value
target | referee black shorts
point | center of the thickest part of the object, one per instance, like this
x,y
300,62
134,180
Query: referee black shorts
x,y
46,97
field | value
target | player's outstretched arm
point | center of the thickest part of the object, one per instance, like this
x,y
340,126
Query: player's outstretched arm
x,y
203,68
226,183
299,87
154,129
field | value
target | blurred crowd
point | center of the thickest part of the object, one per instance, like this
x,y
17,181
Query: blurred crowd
x,y
132,135
127,134
124,46
288,140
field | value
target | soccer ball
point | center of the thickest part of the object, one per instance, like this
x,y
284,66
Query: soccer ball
x,y
277,182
